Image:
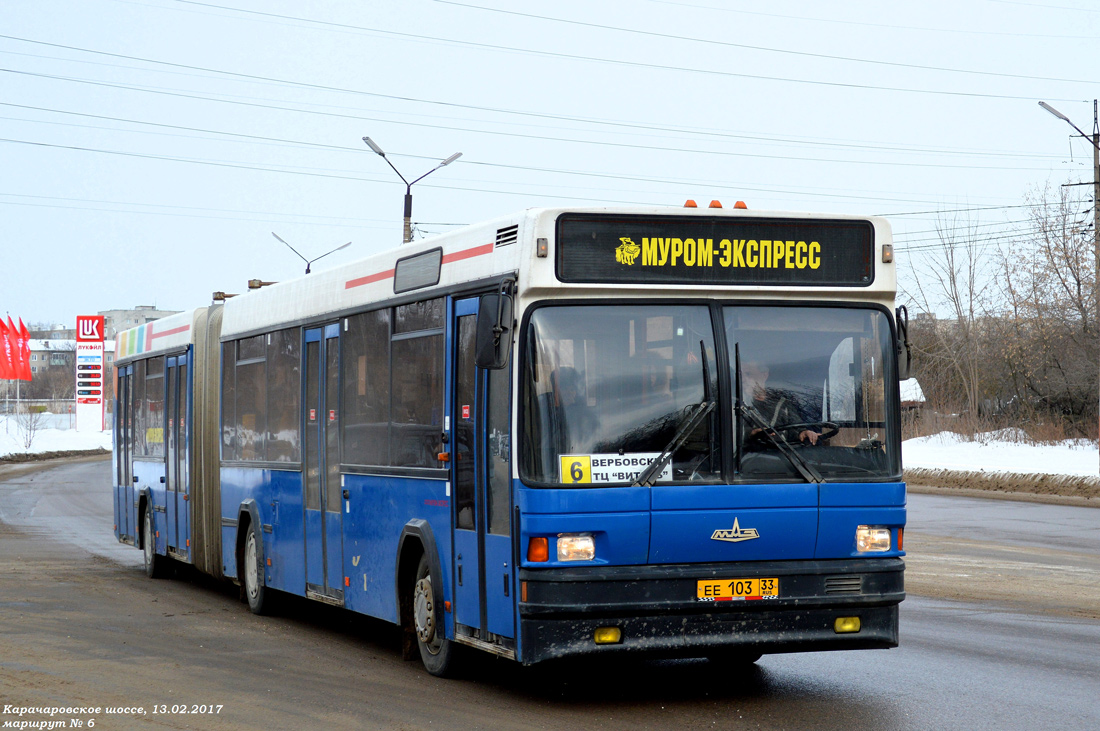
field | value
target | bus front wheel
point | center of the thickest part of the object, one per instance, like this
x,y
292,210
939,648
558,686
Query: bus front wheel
x,y
436,652
252,572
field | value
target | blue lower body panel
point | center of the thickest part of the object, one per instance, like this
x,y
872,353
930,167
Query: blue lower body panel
x,y
376,511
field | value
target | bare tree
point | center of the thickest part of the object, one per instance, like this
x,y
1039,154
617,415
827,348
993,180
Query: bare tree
x,y
955,280
28,422
1049,283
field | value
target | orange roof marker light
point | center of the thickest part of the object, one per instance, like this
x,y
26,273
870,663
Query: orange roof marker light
x,y
690,204
715,204
741,205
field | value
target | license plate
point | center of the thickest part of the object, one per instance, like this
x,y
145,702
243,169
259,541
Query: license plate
x,y
735,590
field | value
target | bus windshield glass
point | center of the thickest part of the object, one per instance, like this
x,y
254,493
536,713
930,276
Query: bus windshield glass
x,y
816,378
607,387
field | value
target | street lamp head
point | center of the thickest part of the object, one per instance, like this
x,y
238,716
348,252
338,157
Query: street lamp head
x,y
451,159
1054,111
371,144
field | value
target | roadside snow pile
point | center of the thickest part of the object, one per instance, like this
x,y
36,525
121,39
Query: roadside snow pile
x,y
1000,452
49,437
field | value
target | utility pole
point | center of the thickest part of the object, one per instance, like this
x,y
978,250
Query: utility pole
x,y
1095,140
408,237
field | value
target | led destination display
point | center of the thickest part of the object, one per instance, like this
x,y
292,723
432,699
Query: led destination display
x,y
714,250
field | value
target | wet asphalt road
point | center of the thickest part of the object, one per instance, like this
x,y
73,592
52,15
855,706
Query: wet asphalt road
x,y
1006,522
79,624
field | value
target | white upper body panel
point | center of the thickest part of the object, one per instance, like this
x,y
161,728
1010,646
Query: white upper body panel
x,y
482,252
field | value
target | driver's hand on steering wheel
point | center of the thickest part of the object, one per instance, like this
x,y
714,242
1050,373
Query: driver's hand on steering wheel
x,y
810,436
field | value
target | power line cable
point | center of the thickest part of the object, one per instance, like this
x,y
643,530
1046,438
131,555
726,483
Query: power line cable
x,y
734,187
745,46
610,61
192,208
546,138
312,174
173,215
968,31
496,110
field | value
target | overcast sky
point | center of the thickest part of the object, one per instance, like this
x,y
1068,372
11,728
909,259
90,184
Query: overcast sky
x,y
150,147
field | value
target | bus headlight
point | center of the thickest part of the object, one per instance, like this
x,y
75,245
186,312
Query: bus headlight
x,y
576,547
872,539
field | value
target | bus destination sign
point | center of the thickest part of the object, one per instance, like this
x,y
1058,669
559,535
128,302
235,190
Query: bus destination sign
x,y
714,250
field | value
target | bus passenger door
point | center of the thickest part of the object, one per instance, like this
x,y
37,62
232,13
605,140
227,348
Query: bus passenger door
x,y
124,426
171,455
183,452
481,474
323,520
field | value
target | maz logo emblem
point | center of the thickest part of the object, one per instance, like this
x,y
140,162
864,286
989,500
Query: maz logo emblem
x,y
735,534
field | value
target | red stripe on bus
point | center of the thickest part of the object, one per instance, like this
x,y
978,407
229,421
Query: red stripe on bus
x,y
468,253
368,279
173,331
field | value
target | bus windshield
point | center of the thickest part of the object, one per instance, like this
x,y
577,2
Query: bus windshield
x,y
814,377
606,388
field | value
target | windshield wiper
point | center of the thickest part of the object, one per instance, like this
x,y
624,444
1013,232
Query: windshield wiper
x,y
697,413
751,415
657,466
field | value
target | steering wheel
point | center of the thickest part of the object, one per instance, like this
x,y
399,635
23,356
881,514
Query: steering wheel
x,y
827,428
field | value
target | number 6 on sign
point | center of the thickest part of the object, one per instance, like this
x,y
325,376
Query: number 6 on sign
x,y
576,469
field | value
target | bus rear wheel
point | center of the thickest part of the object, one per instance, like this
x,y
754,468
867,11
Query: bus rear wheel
x,y
436,652
154,563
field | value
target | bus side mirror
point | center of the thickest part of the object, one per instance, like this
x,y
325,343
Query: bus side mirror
x,y
494,331
905,354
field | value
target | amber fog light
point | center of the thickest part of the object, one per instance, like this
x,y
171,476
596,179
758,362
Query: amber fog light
x,y
608,636
846,625
872,539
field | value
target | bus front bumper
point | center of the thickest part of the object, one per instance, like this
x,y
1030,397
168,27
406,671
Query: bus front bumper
x,y
657,613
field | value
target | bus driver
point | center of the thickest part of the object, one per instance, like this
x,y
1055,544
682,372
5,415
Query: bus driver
x,y
777,407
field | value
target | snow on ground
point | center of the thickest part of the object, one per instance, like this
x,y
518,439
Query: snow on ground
x,y
54,434
1000,452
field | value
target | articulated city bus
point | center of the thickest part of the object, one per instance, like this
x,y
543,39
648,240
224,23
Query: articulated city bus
x,y
651,431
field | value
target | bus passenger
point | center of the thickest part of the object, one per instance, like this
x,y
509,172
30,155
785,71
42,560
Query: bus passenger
x,y
571,418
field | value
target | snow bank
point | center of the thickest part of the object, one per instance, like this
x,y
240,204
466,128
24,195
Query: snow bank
x,y
1000,452
50,437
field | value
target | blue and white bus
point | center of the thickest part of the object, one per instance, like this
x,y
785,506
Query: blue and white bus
x,y
658,431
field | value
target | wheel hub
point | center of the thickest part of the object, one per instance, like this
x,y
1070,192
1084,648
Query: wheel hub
x,y
148,540
424,611
251,577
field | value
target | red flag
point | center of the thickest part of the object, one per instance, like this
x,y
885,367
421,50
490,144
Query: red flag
x,y
16,350
7,364
25,350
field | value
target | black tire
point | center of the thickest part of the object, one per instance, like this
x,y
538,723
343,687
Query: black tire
x,y
436,652
252,573
155,565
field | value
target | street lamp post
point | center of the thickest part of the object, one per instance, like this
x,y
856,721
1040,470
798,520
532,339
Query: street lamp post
x,y
307,261
408,186
1095,140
